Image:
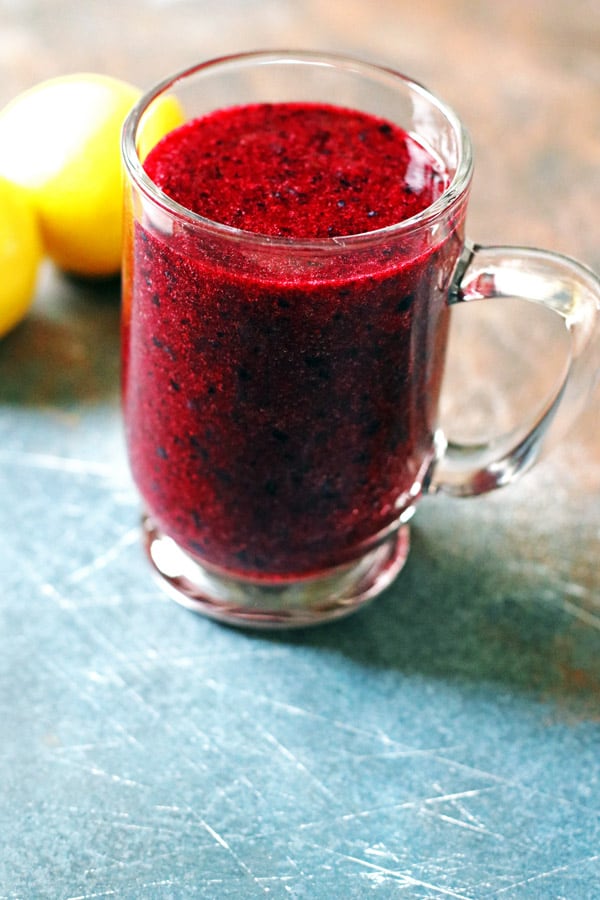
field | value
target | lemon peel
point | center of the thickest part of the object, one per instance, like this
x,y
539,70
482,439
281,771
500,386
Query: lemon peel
x,y
60,141
20,255
163,116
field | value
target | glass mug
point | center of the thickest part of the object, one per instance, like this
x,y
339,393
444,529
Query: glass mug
x,y
280,396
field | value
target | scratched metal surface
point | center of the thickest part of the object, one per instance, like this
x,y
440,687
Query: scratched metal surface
x,y
443,743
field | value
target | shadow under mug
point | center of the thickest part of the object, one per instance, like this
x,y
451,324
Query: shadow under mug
x,y
281,396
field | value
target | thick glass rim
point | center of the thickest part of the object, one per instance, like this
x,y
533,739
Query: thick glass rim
x,y
450,197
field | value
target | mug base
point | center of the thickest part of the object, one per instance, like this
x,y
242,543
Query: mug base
x,y
276,603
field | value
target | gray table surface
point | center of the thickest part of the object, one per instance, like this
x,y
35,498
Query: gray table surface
x,y
445,742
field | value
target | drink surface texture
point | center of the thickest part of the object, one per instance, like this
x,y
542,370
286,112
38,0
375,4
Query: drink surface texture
x,y
280,402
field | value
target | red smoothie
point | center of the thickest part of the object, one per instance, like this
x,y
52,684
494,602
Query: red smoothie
x,y
279,408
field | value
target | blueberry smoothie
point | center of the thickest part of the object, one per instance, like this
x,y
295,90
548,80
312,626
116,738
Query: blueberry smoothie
x,y
280,403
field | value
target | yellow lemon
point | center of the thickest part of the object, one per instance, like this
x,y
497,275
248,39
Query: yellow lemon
x,y
60,141
20,255
162,116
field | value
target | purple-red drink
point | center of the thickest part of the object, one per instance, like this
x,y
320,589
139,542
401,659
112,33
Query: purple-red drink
x,y
280,404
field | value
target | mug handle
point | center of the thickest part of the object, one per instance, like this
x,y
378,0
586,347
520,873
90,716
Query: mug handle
x,y
572,292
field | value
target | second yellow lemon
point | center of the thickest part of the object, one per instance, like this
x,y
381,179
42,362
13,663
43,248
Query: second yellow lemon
x,y
20,255
60,141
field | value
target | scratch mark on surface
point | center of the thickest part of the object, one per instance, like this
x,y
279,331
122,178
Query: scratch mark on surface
x,y
574,589
548,874
108,893
50,591
457,795
223,843
101,773
348,727
583,615
77,685
411,804
63,464
287,753
382,852
167,882
570,588
479,829
100,562
450,864
403,878
433,753
85,748
472,822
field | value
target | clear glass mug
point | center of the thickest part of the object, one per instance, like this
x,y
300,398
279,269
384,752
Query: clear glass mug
x,y
281,396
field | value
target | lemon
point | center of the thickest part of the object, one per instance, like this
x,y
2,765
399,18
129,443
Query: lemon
x,y
60,140
20,255
163,116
